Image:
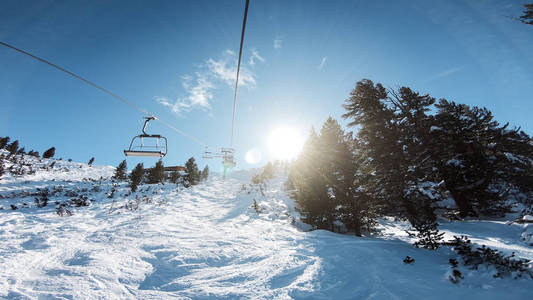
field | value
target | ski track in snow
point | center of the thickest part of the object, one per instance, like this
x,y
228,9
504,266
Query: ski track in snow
x,y
207,242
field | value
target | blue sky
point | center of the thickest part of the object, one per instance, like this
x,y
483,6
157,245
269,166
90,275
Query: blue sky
x,y
176,59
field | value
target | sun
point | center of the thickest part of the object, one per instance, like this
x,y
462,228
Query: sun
x,y
285,143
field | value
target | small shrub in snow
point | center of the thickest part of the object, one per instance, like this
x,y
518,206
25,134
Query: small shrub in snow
x,y
80,201
62,211
408,260
423,219
13,207
455,276
112,193
42,201
504,265
256,207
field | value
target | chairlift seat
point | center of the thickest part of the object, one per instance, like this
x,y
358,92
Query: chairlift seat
x,y
138,147
144,153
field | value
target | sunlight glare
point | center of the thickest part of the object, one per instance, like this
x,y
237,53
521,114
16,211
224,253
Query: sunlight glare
x,y
285,143
253,156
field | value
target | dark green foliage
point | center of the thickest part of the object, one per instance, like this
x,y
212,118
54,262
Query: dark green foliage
x,y
90,163
423,219
49,153
42,201
33,153
136,176
120,171
406,149
13,147
479,160
408,260
205,173
192,174
175,177
527,17
157,173
3,142
2,166
326,181
504,265
21,151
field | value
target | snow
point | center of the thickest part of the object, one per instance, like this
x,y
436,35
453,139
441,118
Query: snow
x,y
208,242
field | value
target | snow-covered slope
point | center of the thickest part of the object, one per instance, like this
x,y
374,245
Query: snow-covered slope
x,y
208,242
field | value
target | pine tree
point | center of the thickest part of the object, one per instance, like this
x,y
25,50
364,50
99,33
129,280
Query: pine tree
x,y
33,153
175,177
49,153
205,173
90,163
527,17
3,142
2,166
21,151
312,194
268,171
192,176
120,171
136,176
157,173
13,147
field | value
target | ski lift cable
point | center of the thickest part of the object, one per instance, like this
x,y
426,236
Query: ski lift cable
x,y
238,71
105,91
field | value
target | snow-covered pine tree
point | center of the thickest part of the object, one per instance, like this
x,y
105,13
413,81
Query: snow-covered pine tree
x,y
90,163
379,137
49,153
136,176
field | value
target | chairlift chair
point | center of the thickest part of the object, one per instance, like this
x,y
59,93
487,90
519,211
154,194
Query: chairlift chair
x,y
139,148
227,158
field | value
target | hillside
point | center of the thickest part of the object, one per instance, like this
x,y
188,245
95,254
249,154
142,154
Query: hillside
x,y
208,242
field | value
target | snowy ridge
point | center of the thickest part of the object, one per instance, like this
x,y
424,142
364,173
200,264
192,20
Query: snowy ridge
x,y
208,242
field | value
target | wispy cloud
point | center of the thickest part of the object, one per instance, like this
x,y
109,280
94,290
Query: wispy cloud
x,y
322,63
200,86
255,56
277,43
445,73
